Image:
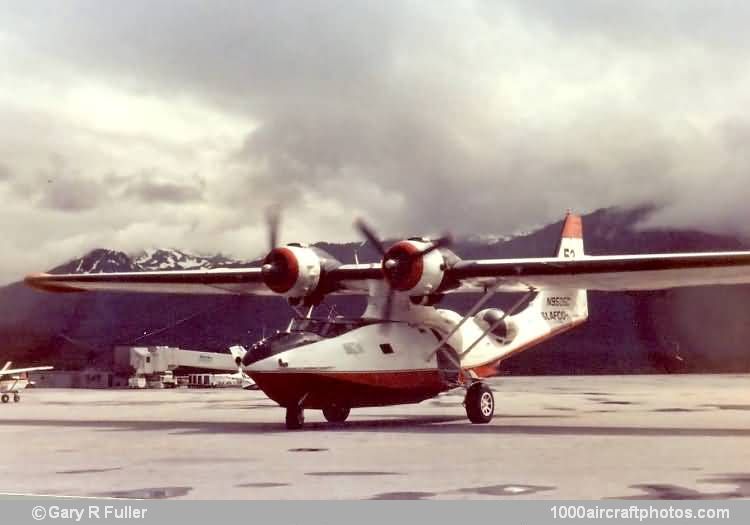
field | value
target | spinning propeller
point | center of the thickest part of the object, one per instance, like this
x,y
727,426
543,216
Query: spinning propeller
x,y
402,263
293,270
297,272
280,268
273,221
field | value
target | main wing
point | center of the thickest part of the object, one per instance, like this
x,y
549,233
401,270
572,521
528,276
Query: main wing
x,y
349,278
417,268
606,273
7,371
226,281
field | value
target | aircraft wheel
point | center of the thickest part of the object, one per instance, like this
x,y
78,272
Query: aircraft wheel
x,y
480,403
336,414
5,398
16,398
295,417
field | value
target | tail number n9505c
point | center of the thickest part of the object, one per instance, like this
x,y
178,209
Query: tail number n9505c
x,y
562,301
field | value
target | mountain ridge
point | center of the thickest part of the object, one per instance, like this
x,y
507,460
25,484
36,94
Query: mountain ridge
x,y
101,260
688,329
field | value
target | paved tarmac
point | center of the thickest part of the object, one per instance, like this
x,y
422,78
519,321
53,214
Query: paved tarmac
x,y
663,437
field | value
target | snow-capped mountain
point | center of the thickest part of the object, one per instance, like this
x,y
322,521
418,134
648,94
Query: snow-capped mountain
x,y
487,238
98,261
102,260
608,231
626,333
171,259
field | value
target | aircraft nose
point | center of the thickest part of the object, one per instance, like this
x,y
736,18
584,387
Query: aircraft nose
x,y
262,365
249,358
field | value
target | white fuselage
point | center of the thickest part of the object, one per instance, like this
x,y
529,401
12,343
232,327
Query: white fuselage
x,y
12,385
404,361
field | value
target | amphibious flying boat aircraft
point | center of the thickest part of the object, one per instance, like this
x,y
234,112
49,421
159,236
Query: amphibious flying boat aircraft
x,y
404,349
12,381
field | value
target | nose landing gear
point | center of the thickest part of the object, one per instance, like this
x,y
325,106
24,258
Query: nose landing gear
x,y
295,414
295,417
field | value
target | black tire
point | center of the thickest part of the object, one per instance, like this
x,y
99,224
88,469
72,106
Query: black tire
x,y
336,414
5,398
16,398
295,418
480,403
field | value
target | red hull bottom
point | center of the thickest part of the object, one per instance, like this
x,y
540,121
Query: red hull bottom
x,y
350,389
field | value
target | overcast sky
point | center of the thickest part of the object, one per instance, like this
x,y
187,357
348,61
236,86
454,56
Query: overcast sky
x,y
151,124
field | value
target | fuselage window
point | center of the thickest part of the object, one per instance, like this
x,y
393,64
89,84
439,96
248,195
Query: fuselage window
x,y
386,348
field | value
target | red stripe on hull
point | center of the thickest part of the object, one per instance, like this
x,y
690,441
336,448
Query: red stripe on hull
x,y
352,389
391,379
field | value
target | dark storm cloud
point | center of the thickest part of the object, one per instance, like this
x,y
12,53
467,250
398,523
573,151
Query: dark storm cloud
x,y
484,116
247,54
396,151
63,188
643,22
67,197
60,187
147,188
451,177
428,141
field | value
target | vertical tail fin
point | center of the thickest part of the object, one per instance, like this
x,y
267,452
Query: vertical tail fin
x,y
571,239
552,311
561,307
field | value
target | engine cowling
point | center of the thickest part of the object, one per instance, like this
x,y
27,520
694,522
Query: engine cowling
x,y
406,270
506,331
295,271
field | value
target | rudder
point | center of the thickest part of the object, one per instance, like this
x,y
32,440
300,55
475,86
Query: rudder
x,y
562,306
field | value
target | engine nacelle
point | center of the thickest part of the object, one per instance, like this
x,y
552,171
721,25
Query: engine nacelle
x,y
506,330
408,271
295,271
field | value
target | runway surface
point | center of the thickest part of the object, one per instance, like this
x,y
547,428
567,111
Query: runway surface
x,y
666,437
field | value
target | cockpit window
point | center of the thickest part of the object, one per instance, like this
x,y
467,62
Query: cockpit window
x,y
328,327
281,342
303,332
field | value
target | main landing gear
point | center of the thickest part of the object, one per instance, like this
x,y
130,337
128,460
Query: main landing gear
x,y
16,397
336,414
479,403
295,415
